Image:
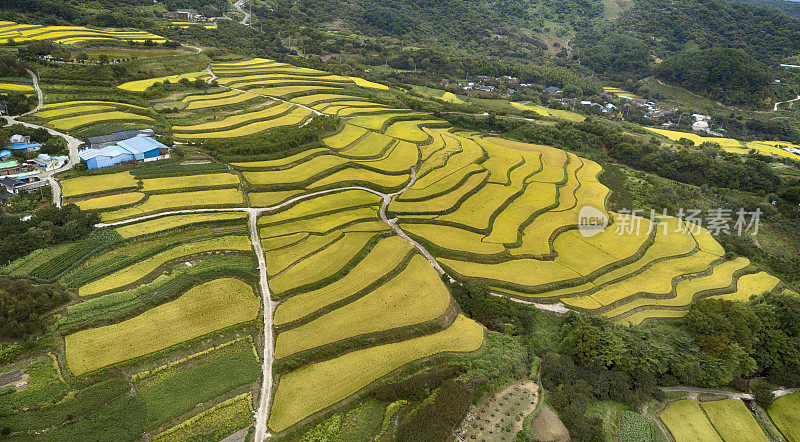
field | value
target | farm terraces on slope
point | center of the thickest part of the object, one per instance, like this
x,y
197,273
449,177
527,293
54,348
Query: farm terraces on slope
x,y
356,299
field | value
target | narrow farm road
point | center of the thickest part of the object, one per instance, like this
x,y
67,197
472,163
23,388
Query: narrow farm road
x,y
239,5
775,108
39,94
266,366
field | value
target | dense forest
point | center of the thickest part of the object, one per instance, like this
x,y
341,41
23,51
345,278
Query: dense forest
x,y
49,225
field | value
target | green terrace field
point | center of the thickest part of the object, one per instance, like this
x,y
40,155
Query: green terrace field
x,y
726,419
165,295
81,116
20,33
784,413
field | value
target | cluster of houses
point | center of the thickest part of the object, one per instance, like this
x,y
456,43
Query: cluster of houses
x,y
102,151
9,165
184,15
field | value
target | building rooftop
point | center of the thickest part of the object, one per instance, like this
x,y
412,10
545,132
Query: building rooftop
x,y
119,136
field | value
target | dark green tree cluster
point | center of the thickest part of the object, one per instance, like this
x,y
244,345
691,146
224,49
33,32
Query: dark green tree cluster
x,y
276,141
692,166
23,304
49,225
728,75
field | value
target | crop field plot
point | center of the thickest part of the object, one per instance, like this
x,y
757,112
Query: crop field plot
x,y
237,120
302,172
362,177
720,278
382,260
373,145
110,201
697,139
344,138
142,268
410,130
223,419
376,122
71,115
281,162
141,85
686,421
174,221
733,421
415,295
283,91
228,99
190,182
324,264
70,34
174,390
547,112
289,117
308,389
89,184
785,413
751,285
176,201
16,87
203,309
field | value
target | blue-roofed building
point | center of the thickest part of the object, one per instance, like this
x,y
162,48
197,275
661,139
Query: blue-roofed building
x,y
132,149
5,154
20,142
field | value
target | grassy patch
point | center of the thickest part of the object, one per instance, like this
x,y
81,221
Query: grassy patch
x,y
217,422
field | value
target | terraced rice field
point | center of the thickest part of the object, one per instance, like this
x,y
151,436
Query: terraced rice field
x,y
733,421
697,139
208,307
686,421
547,112
174,221
84,185
784,412
500,212
143,268
20,33
110,201
72,115
141,85
190,182
308,389
16,87
280,115
176,201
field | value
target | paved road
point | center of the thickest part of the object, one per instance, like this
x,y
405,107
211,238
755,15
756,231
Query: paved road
x,y
266,366
72,143
239,5
775,108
